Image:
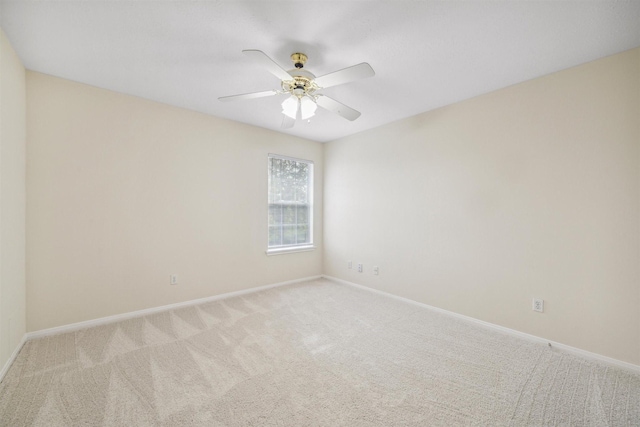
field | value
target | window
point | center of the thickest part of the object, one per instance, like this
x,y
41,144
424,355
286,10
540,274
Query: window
x,y
290,204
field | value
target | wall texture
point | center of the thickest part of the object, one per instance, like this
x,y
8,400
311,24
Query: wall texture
x,y
530,191
12,200
123,192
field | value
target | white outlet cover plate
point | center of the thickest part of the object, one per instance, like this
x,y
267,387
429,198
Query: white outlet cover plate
x,y
538,305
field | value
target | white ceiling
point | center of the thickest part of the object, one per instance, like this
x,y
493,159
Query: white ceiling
x,y
426,54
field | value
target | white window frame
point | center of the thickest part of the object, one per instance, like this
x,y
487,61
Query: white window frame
x,y
302,247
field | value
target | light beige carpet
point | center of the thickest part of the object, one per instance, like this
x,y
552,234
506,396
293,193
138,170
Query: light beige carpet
x,y
312,354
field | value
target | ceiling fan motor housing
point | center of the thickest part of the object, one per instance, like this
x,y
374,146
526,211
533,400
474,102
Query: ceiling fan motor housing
x,y
299,59
301,83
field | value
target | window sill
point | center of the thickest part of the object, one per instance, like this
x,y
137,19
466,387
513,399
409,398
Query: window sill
x,y
291,249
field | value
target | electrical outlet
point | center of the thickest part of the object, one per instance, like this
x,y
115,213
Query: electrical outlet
x,y
359,268
538,305
375,270
350,265
173,279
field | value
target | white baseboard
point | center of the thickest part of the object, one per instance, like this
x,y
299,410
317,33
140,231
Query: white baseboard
x,y
124,316
554,345
13,356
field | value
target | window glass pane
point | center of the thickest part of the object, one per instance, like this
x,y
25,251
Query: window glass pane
x,y
303,234
275,236
289,216
275,214
289,235
302,214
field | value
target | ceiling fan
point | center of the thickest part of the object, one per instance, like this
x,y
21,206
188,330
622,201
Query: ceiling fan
x,y
303,87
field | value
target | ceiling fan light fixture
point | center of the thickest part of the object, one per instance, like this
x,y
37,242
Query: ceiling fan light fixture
x,y
307,108
290,107
303,87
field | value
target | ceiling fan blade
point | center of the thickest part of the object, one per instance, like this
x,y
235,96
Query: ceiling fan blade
x,y
287,122
248,96
345,75
337,107
267,63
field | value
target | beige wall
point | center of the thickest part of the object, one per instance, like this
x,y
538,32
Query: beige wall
x,y
530,191
123,192
12,200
